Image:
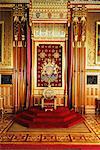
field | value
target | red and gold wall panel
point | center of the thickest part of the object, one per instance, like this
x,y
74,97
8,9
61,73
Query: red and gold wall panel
x,y
52,52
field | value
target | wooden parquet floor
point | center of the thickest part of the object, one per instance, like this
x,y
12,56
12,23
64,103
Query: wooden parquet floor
x,y
87,133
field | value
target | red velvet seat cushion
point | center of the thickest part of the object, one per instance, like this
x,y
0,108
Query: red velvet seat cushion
x,y
48,101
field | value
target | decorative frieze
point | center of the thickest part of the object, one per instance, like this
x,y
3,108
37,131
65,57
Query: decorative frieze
x,y
49,31
62,1
41,10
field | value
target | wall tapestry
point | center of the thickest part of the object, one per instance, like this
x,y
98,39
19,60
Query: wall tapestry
x,y
49,65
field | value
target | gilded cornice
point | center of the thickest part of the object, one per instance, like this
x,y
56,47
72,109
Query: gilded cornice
x,y
47,11
43,10
6,5
64,1
85,1
14,1
56,2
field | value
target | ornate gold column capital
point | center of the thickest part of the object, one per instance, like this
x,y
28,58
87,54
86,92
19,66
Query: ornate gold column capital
x,y
79,22
19,20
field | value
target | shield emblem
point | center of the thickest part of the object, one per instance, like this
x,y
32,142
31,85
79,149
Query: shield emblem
x,y
38,14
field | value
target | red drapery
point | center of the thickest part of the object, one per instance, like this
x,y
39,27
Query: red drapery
x,y
28,73
70,64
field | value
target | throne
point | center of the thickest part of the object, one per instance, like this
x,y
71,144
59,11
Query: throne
x,y
49,73
48,100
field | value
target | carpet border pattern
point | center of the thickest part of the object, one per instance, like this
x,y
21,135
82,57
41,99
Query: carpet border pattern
x,y
92,138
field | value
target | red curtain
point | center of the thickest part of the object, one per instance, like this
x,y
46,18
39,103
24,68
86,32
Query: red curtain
x,y
70,64
28,73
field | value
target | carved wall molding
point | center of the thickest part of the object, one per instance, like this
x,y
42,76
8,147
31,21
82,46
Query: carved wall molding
x,y
91,57
64,1
49,31
6,6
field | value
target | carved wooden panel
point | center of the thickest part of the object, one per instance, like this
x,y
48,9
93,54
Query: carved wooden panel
x,y
6,92
92,91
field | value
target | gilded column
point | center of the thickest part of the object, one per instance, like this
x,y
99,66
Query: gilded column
x,y
75,90
79,19
23,56
19,55
15,55
33,64
66,65
83,63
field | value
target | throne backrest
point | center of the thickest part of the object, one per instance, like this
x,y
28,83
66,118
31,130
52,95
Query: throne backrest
x,y
49,93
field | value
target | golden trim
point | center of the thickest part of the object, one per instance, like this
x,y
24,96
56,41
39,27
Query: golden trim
x,y
12,44
97,23
7,5
2,46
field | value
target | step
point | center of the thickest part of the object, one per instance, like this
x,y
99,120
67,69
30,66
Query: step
x,y
48,125
27,116
54,118
41,112
55,113
73,122
38,118
75,118
69,117
23,122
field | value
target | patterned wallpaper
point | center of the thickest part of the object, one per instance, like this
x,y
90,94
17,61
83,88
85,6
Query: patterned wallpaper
x,y
8,32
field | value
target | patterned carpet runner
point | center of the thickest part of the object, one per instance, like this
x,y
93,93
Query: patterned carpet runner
x,y
35,117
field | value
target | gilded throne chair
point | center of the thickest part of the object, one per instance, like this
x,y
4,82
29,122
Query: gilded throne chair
x,y
49,74
48,100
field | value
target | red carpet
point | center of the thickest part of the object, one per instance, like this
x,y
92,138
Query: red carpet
x,y
62,117
48,147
